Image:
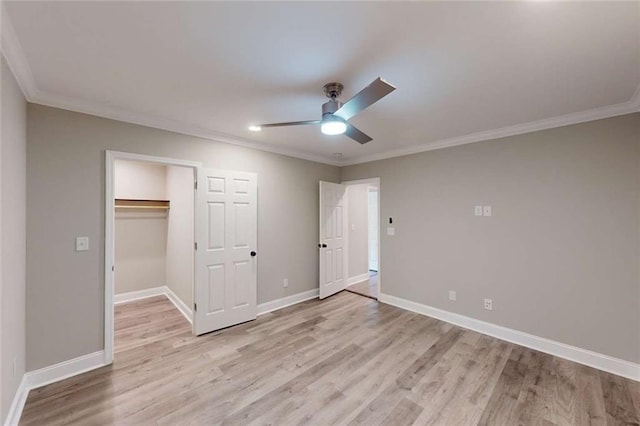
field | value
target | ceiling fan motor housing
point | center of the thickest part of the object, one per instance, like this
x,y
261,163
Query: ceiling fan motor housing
x,y
330,107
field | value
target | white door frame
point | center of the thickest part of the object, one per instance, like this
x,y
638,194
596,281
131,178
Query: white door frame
x,y
373,181
109,226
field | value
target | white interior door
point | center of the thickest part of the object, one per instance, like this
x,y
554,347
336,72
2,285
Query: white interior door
x,y
333,253
226,262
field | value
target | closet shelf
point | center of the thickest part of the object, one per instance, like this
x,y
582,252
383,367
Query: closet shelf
x,y
122,203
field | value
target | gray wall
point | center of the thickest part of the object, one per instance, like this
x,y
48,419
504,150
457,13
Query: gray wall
x,y
358,209
65,187
560,255
12,229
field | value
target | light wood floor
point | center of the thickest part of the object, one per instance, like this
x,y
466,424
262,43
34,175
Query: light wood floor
x,y
345,360
368,288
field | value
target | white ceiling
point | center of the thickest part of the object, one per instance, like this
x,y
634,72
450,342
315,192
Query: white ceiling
x,y
462,69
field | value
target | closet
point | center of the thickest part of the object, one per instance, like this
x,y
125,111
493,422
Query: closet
x,y
154,232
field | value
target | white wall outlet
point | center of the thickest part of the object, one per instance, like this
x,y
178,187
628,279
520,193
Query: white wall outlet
x,y
391,231
487,210
488,304
82,243
452,295
285,283
477,210
353,226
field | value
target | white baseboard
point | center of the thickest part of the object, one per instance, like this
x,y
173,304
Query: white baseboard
x,y
597,360
53,373
182,307
357,279
156,291
140,294
274,305
73,367
17,405
64,369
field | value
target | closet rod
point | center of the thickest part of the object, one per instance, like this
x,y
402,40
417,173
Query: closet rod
x,y
124,203
143,207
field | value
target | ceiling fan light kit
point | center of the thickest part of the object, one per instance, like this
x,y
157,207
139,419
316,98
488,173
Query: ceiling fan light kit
x,y
332,125
335,114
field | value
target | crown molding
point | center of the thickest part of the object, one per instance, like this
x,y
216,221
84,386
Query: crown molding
x,y
631,106
148,120
13,53
76,105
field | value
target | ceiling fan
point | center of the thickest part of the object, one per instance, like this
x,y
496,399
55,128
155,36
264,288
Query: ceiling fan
x,y
335,114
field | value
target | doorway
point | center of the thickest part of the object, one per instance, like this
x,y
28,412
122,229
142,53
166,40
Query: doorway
x,y
349,237
220,243
152,245
363,237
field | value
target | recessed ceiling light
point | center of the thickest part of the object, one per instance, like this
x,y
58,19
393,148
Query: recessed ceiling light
x,y
337,155
255,128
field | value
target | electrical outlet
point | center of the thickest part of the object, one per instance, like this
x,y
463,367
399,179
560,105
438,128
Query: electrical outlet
x,y
452,295
285,283
487,210
488,304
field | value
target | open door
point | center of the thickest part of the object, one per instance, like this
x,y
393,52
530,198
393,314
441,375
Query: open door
x,y
332,238
226,264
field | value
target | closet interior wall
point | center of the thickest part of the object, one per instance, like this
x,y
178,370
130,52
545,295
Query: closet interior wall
x,y
154,247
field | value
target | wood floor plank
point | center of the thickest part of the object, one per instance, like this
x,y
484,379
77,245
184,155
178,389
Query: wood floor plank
x,y
590,409
618,402
504,398
405,413
344,360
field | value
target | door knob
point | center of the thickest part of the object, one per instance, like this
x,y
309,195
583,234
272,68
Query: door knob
x,y
253,253
324,246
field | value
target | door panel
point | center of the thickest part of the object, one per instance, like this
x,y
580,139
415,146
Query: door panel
x,y
332,239
226,273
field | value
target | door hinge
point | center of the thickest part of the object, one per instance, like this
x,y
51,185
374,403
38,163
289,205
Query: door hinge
x,y
195,246
113,268
195,185
195,307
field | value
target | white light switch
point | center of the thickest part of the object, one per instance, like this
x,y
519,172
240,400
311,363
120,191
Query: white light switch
x,y
477,210
82,243
353,226
391,231
487,210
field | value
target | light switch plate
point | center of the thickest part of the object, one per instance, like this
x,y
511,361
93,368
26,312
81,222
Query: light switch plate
x,y
487,210
82,243
391,231
477,210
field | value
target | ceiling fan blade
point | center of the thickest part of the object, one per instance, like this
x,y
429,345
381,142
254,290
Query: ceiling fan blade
x,y
290,123
357,135
377,90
